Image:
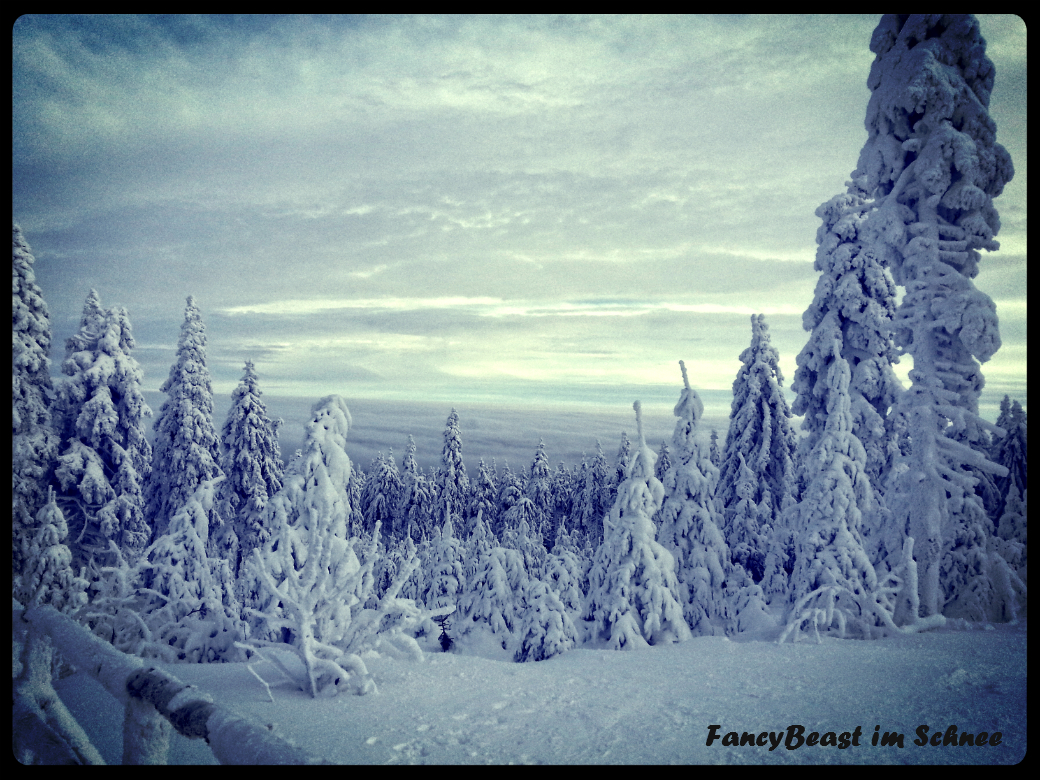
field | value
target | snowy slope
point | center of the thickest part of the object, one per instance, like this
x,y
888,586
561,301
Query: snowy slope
x,y
646,707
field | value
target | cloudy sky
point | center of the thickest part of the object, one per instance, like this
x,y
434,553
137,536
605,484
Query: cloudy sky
x,y
489,210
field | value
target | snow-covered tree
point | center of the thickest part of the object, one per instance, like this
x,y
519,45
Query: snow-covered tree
x,y
592,503
308,568
664,461
511,487
932,167
759,441
1011,451
105,456
624,455
855,302
495,597
187,599
481,541
185,440
633,598
446,577
717,595
565,572
833,584
1011,531
34,442
452,482
713,450
540,491
483,500
48,577
520,533
251,460
547,628
381,495
417,496
318,593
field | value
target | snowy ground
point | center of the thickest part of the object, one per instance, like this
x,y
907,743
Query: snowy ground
x,y
646,707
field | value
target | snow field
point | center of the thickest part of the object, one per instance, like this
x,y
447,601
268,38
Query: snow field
x,y
652,706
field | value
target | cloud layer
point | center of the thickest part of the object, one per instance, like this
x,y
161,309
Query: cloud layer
x,y
448,208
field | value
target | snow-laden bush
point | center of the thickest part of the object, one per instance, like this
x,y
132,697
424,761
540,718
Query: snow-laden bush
x,y
319,597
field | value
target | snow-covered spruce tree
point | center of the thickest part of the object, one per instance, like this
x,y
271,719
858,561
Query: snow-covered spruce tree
x,y
1011,451
48,577
446,577
251,460
186,598
308,568
854,300
932,167
481,541
566,573
417,496
1011,531
547,628
713,450
105,455
34,442
495,596
664,460
315,586
381,494
185,440
593,501
511,487
540,491
831,323
834,587
717,595
483,499
760,439
452,483
624,455
566,485
633,598
519,533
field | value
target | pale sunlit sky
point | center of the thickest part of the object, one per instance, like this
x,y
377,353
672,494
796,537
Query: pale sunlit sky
x,y
449,209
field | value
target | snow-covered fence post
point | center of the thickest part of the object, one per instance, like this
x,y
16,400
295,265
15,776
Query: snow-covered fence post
x,y
155,700
56,736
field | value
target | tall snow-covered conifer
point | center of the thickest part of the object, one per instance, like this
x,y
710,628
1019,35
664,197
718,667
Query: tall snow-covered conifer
x,y
34,442
760,440
855,301
932,167
833,585
417,496
1011,450
633,598
105,456
185,440
251,460
717,595
540,491
381,494
453,484
483,500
